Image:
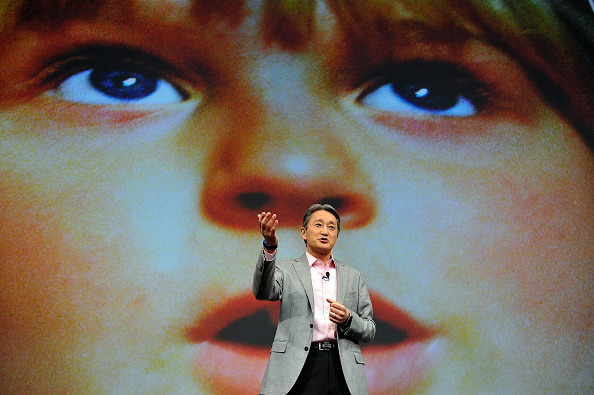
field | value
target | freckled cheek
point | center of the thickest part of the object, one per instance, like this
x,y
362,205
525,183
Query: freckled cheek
x,y
88,209
521,229
59,287
539,211
63,228
45,284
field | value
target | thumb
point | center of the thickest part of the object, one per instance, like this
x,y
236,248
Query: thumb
x,y
330,300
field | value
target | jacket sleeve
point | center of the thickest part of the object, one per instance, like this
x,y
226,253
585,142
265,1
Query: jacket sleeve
x,y
362,326
268,280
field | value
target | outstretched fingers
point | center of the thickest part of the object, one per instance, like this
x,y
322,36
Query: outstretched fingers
x,y
268,224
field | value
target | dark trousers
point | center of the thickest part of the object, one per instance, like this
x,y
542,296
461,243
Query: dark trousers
x,y
321,374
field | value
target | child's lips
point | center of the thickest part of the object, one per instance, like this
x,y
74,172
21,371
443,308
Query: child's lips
x,y
233,346
230,365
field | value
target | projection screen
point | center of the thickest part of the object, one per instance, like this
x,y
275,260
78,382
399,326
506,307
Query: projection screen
x,y
139,139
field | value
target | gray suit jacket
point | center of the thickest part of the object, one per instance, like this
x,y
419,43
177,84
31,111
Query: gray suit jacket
x,y
290,281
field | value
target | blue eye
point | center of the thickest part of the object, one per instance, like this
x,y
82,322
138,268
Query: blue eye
x,y
113,76
104,85
124,85
426,89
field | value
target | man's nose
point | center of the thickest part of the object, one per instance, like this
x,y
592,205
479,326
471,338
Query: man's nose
x,y
283,160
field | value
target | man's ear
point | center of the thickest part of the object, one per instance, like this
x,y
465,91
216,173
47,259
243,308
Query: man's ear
x,y
303,230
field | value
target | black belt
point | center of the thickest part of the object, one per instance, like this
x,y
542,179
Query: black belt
x,y
324,346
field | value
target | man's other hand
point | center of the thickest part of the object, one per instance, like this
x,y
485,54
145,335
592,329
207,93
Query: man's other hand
x,y
338,313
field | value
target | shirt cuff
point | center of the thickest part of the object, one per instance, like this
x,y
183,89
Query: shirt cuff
x,y
346,325
268,255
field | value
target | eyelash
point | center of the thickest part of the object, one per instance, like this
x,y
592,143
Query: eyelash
x,y
100,67
426,88
412,88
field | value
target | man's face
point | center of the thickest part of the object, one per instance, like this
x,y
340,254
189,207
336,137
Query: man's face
x,y
321,233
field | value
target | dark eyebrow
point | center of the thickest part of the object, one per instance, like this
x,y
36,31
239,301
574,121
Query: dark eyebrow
x,y
288,23
53,13
370,44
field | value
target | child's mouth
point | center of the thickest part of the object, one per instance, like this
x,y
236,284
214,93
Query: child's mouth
x,y
232,346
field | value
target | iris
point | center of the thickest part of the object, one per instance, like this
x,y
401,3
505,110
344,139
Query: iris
x,y
122,84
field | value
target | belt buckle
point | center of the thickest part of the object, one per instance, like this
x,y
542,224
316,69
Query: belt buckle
x,y
325,346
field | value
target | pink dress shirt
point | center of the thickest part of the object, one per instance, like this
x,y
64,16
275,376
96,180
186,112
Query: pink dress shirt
x,y
324,329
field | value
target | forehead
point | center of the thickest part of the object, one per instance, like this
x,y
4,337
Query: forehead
x,y
322,216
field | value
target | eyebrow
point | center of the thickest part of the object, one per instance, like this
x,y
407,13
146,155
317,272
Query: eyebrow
x,y
378,30
52,13
288,23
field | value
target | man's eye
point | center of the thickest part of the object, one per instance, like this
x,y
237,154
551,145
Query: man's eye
x,y
111,85
422,88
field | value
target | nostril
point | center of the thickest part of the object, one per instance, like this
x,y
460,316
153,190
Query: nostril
x,y
235,204
253,200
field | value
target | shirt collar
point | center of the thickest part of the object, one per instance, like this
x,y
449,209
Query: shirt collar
x,y
311,260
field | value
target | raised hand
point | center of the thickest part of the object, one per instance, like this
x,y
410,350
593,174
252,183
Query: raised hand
x,y
268,224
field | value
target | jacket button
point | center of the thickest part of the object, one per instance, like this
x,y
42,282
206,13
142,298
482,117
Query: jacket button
x,y
311,325
306,348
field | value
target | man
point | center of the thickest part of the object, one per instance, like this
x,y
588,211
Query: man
x,y
325,311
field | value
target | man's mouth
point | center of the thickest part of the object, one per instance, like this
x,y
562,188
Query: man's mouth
x,y
232,346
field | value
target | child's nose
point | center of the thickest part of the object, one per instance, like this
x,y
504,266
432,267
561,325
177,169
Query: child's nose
x,y
283,161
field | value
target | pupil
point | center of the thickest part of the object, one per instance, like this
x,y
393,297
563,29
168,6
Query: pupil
x,y
123,84
433,97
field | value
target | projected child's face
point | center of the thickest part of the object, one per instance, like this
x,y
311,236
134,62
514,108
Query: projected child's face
x,y
135,152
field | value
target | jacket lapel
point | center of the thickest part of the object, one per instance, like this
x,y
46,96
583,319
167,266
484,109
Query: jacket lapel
x,y
342,277
302,267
